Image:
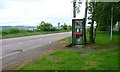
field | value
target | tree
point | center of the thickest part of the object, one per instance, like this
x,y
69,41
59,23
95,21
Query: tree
x,y
84,25
58,24
45,26
70,27
91,9
102,12
64,27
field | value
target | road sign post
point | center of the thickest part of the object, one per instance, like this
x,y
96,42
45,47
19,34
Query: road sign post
x,y
77,31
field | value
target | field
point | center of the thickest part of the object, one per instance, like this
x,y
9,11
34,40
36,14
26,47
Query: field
x,y
103,55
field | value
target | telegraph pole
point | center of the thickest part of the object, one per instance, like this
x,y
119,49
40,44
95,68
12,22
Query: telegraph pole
x,y
111,20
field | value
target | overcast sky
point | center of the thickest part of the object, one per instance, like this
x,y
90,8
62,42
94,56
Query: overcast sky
x,y
32,12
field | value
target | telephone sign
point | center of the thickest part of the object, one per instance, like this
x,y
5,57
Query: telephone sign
x,y
77,31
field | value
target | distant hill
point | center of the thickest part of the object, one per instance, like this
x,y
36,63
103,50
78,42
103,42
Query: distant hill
x,y
5,27
19,27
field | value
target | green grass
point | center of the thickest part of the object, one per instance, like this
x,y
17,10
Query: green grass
x,y
66,41
73,60
25,33
105,59
103,40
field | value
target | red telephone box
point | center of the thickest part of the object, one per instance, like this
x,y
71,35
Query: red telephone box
x,y
77,31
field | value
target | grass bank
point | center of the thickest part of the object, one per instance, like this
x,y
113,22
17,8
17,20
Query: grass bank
x,y
11,33
105,56
75,60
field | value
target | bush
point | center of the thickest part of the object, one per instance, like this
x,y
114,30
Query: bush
x,y
0,32
102,28
10,31
44,26
30,31
37,30
54,29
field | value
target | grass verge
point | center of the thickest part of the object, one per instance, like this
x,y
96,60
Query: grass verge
x,y
105,59
74,60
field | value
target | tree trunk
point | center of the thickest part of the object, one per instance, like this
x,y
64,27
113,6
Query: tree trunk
x,y
119,26
91,39
91,33
84,27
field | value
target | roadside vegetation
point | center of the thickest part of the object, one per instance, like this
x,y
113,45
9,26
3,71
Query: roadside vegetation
x,y
9,33
102,55
42,28
75,60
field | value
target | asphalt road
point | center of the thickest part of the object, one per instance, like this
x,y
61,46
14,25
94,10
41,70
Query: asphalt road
x,y
12,46
25,43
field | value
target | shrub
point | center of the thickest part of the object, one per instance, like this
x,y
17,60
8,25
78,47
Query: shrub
x,y
10,31
37,30
30,31
44,26
102,28
53,29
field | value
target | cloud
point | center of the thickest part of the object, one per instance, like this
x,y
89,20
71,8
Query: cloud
x,y
31,12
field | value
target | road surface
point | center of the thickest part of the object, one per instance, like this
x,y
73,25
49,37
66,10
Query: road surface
x,y
12,46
